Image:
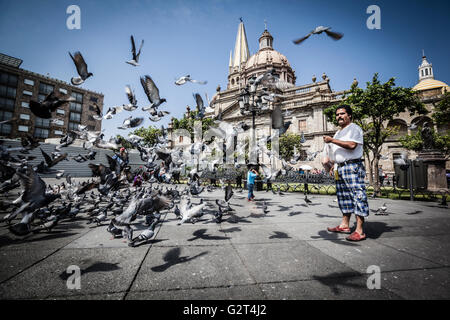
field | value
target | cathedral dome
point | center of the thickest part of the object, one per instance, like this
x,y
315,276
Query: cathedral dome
x,y
266,56
429,84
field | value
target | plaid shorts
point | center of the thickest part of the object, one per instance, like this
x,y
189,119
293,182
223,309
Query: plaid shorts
x,y
351,190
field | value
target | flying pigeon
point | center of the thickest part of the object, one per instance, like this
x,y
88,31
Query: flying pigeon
x,y
134,61
187,78
113,111
131,98
81,69
45,108
152,92
131,122
319,30
98,113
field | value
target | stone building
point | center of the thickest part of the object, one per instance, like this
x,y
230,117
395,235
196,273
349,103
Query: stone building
x,y
18,87
304,102
430,92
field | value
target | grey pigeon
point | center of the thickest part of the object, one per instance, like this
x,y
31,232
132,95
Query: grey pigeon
x,y
152,92
81,69
135,59
319,30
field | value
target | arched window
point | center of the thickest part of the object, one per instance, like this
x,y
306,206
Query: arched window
x,y
426,72
232,82
422,72
401,126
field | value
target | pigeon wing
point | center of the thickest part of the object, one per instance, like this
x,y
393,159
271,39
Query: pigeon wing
x,y
334,35
150,88
80,64
130,95
47,158
133,47
300,40
34,186
199,101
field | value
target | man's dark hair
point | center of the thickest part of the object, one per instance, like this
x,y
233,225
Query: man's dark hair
x,y
347,108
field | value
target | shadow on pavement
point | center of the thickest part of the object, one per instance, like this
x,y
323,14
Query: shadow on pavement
x,y
172,257
335,280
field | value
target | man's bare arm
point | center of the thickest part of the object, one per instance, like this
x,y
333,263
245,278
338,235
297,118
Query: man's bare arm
x,y
344,144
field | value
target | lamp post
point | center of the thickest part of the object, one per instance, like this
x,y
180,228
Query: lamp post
x,y
251,103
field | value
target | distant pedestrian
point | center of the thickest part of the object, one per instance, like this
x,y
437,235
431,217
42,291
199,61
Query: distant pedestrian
x,y
381,174
346,151
251,176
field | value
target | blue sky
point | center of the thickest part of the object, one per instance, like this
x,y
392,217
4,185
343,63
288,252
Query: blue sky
x,y
195,37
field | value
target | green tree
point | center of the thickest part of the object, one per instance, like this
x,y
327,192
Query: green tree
x,y
378,104
188,122
149,134
122,141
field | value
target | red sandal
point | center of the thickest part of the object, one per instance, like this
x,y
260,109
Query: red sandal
x,y
355,236
340,230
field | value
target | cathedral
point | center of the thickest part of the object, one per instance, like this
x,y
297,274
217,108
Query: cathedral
x,y
305,103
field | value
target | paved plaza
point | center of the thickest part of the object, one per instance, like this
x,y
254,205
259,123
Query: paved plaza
x,y
286,253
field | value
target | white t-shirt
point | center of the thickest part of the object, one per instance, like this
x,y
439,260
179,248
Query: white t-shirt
x,y
352,132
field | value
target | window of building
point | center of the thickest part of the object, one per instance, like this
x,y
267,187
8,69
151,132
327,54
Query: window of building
x,y
75,117
6,104
73,126
24,116
8,79
78,96
91,128
60,111
58,132
93,99
62,90
45,88
5,115
7,92
41,133
59,122
25,104
27,93
43,123
426,72
302,125
5,128
74,106
23,128
28,82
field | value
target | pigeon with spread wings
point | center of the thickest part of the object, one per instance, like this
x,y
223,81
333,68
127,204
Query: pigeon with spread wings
x,y
134,61
81,69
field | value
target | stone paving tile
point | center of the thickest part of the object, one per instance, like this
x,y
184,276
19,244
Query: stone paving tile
x,y
288,261
191,267
234,292
102,271
368,252
331,287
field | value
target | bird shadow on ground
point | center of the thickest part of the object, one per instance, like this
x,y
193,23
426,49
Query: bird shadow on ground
x,y
412,213
235,219
201,234
95,267
336,280
172,257
279,235
294,213
284,208
324,216
334,237
331,206
229,230
374,229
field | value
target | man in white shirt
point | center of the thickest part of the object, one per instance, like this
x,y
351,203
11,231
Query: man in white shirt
x,y
346,151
